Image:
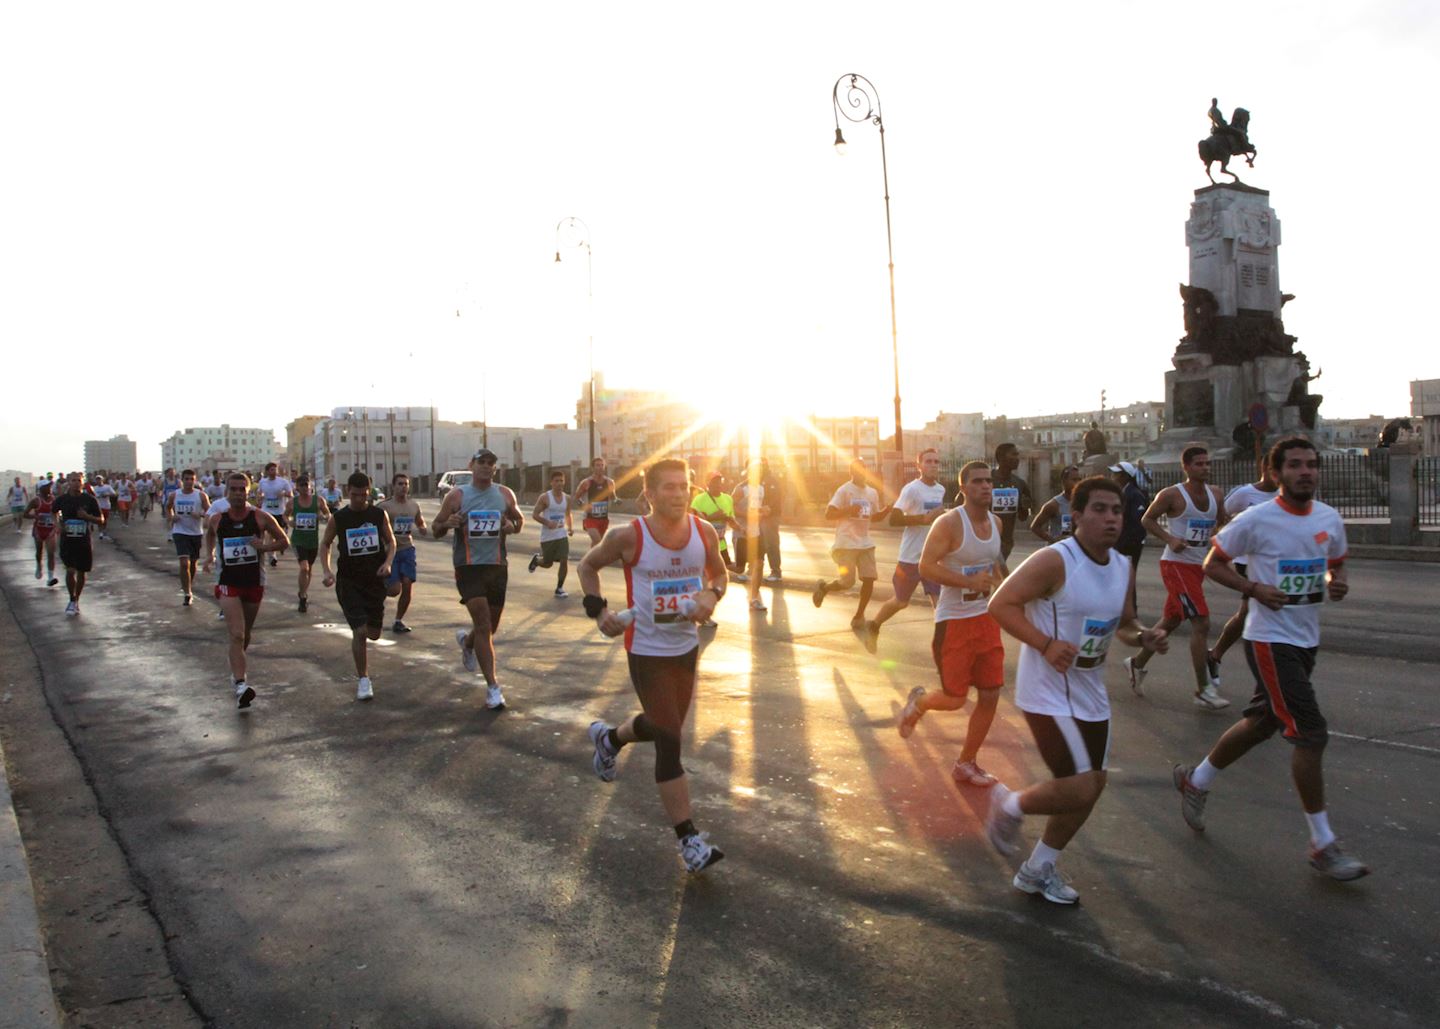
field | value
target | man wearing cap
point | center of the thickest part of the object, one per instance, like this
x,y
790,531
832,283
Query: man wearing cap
x,y
1132,532
482,514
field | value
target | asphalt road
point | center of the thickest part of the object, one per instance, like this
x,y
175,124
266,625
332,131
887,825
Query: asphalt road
x,y
420,860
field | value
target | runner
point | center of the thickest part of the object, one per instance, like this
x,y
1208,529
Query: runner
x,y
1193,510
405,520
216,491
482,515
670,556
595,494
331,493
1239,499
1052,522
1290,542
718,508
367,549
242,533
920,503
19,500
1011,495
170,482
1065,604
104,494
41,510
750,511
770,523
304,511
853,507
145,489
1132,533
274,491
124,497
962,554
75,512
185,513
557,525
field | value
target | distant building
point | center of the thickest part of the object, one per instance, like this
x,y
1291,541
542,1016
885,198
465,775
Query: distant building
x,y
958,438
1425,406
300,443
116,454
219,448
1355,434
1060,438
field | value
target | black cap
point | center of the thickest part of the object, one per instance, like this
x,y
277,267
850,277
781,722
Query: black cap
x,y
483,453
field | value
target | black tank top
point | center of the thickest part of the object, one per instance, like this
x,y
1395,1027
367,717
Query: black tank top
x,y
362,551
239,560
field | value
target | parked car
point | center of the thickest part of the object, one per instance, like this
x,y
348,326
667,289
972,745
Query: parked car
x,y
449,481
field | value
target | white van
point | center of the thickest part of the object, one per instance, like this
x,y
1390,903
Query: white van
x,y
449,481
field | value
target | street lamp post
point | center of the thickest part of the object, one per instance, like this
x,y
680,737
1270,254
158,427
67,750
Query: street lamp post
x,y
861,103
580,232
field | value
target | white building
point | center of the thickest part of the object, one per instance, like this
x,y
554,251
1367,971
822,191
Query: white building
x,y
1425,406
116,454
219,448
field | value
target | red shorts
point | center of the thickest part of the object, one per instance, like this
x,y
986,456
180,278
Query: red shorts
x,y
968,652
124,505
247,594
603,524
1184,591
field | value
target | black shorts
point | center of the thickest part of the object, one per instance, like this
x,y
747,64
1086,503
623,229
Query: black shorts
x,y
652,671
363,603
1070,746
483,582
307,554
78,557
187,545
1284,698
555,550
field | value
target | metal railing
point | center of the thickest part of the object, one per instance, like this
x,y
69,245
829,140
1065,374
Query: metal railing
x,y
1427,490
1356,485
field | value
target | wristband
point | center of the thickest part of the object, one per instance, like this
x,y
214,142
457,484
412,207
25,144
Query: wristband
x,y
594,605
1249,590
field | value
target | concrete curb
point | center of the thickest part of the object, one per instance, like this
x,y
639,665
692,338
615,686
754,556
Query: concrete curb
x,y
29,1002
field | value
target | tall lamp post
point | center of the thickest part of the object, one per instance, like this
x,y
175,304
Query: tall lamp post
x,y
580,233
856,97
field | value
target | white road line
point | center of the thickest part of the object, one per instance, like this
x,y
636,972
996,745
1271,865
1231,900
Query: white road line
x,y
1387,743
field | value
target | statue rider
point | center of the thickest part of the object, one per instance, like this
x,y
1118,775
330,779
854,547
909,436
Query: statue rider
x,y
1220,127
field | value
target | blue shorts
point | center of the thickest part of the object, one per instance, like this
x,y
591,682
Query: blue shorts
x,y
402,566
907,577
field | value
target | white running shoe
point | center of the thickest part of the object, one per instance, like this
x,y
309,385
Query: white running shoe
x,y
1209,698
758,605
560,594
1003,830
1137,676
698,854
604,762
364,691
1192,797
72,608
910,713
494,699
742,577
244,693
1045,881
1338,865
467,654
773,577
968,773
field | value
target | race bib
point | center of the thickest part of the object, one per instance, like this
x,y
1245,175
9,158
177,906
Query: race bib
x,y
600,509
484,524
1065,525
931,505
864,508
186,505
272,506
1005,500
45,520
1301,579
238,550
668,594
307,521
76,528
974,570
1095,637
1197,532
403,525
363,539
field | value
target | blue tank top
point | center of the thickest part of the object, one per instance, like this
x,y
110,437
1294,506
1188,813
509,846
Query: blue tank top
x,y
479,540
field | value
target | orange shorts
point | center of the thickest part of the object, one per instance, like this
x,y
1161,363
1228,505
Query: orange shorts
x,y
1184,591
968,652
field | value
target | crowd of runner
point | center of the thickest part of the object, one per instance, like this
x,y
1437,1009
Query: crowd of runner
x,y
1271,542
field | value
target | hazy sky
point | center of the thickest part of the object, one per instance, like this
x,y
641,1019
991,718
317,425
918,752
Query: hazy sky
x,y
241,213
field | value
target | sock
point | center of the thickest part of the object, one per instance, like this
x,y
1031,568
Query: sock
x,y
684,829
1203,775
615,742
1011,806
1321,835
1042,855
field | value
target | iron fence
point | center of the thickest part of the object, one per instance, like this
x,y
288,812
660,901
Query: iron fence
x,y
1427,490
1356,485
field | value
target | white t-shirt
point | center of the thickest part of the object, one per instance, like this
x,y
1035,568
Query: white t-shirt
x,y
1292,550
917,498
554,510
17,496
854,533
103,493
1242,498
272,494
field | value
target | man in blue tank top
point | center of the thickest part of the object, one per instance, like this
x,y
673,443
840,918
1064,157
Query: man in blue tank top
x,y
482,515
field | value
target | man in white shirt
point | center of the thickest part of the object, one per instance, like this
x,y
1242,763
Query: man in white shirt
x,y
853,508
921,501
1237,501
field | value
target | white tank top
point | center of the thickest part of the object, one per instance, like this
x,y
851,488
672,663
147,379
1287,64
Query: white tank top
x,y
187,513
554,510
655,583
971,557
1086,612
1195,527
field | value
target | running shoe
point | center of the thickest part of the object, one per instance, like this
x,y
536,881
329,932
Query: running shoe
x,y
399,626
1212,669
698,854
560,594
817,596
304,604
1338,865
1209,698
364,691
534,562
1137,676
274,561
243,694
1003,830
910,713
871,636
1192,798
758,605
53,581
774,577
604,761
742,577
494,699
1045,881
467,655
72,608
189,599
968,773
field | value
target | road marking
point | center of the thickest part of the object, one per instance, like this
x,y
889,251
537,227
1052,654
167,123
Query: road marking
x,y
1387,743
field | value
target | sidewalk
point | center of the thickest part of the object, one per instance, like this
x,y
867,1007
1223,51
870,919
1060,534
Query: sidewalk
x,y
28,1002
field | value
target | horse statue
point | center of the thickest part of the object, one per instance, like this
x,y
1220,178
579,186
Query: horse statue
x,y
1227,140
